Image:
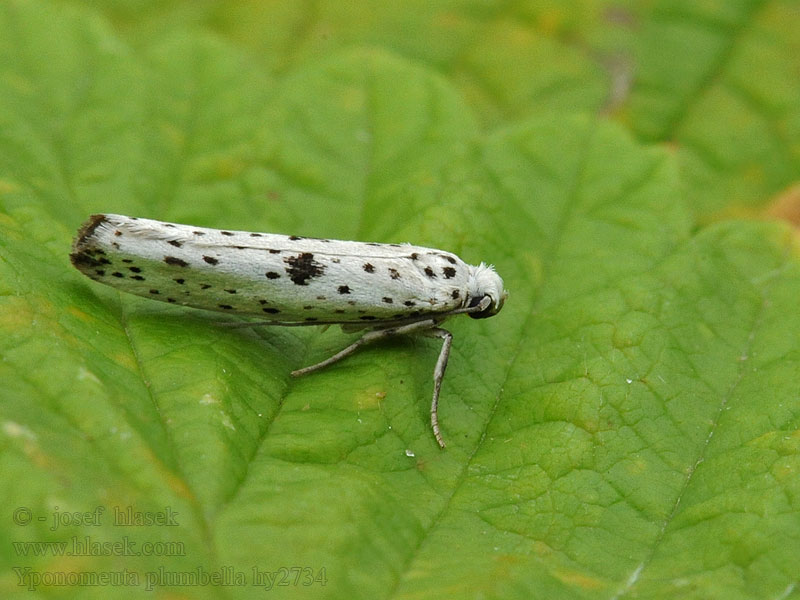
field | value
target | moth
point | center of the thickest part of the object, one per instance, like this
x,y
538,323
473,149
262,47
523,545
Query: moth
x,y
381,290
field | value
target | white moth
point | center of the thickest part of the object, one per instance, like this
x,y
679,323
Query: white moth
x,y
385,289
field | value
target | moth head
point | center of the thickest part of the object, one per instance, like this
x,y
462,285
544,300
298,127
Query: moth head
x,y
485,282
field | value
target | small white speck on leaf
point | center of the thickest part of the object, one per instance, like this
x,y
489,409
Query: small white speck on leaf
x,y
15,430
226,420
84,374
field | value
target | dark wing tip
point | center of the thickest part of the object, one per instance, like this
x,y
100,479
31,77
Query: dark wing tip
x,y
87,230
79,256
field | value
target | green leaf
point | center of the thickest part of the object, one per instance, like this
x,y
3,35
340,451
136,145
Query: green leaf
x,y
626,427
720,81
510,61
716,81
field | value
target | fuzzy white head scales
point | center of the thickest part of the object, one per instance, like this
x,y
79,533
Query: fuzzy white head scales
x,y
484,281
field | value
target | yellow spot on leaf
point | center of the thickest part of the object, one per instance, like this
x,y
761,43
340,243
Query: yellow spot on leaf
x,y
786,206
370,399
79,313
580,580
8,187
17,313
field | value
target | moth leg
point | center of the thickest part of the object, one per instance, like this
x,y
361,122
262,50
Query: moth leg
x,y
367,338
438,376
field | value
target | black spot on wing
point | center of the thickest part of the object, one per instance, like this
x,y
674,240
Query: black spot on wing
x,y
394,273
369,268
210,260
303,267
175,243
88,257
343,289
429,272
272,275
226,233
83,260
449,272
175,262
